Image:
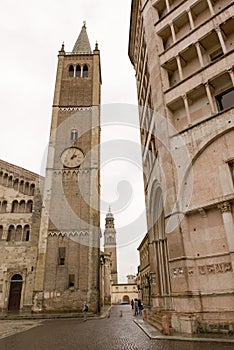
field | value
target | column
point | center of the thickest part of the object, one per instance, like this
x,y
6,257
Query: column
x,y
190,16
199,53
226,211
222,42
167,5
210,7
173,32
209,95
179,67
186,105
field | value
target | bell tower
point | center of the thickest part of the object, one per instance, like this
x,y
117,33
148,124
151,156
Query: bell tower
x,y
110,245
67,271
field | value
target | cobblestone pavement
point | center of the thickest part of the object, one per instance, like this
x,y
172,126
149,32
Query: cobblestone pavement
x,y
114,333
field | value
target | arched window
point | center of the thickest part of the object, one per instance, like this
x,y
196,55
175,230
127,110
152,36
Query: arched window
x,y
10,181
15,207
26,233
22,207
5,178
16,277
78,71
1,175
85,71
74,135
1,232
32,189
71,71
18,233
16,184
29,207
21,186
26,188
4,207
11,233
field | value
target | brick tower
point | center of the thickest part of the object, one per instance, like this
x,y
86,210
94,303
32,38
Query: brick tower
x,y
67,272
110,245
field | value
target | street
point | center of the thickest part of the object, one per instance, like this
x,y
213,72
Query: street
x,y
114,333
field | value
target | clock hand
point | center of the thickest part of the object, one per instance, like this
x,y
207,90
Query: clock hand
x,y
74,156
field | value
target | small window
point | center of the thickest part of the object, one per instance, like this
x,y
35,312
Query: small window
x,y
26,233
71,71
29,207
225,100
74,135
62,253
4,207
18,233
1,232
85,71
15,207
32,189
78,71
11,233
71,282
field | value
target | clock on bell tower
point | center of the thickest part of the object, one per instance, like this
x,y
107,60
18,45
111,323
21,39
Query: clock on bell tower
x,y
68,264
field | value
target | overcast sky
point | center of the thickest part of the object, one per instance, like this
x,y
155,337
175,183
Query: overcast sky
x,y
31,34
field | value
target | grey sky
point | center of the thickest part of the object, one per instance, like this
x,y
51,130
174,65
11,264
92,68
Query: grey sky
x,y
31,34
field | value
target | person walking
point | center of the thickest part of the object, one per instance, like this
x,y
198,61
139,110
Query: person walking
x,y
85,310
132,303
140,307
136,307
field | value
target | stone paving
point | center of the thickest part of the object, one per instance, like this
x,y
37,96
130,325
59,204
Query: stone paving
x,y
8,328
115,333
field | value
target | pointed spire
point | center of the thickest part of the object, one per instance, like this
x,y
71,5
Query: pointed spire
x,y
109,214
82,44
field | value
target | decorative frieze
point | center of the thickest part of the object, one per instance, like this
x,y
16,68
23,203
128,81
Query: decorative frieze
x,y
182,271
68,234
215,268
203,270
74,109
71,172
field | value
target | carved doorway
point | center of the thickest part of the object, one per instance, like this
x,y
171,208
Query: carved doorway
x,y
15,293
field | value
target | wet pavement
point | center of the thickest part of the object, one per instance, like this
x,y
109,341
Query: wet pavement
x,y
115,333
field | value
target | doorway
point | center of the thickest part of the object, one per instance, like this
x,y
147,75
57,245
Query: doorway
x,y
15,293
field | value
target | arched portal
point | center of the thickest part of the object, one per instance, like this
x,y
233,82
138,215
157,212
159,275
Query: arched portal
x,y
158,241
126,299
15,293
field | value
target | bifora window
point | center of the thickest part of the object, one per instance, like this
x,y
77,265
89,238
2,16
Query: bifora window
x,y
225,99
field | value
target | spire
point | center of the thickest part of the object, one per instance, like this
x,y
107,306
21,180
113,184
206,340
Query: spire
x,y
109,214
82,44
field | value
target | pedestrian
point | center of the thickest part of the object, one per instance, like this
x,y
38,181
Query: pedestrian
x,y
140,307
136,306
132,303
85,310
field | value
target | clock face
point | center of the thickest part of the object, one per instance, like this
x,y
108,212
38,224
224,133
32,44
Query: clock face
x,y
72,157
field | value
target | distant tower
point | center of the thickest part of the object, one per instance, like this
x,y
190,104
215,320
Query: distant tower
x,y
110,245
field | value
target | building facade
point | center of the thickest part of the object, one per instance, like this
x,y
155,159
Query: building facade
x,y
182,53
50,228
123,293
20,213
